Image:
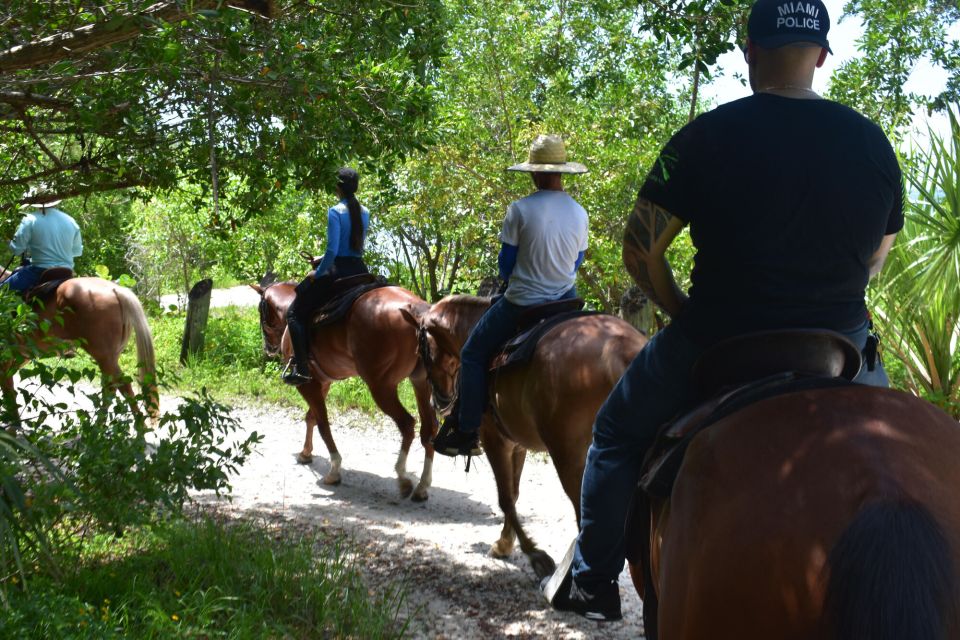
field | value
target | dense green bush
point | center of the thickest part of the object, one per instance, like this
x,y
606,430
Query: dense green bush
x,y
78,458
918,300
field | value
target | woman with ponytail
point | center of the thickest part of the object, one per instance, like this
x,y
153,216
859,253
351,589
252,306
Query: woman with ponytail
x,y
347,224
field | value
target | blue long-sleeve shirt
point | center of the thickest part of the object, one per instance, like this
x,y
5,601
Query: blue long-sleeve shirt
x,y
507,260
338,235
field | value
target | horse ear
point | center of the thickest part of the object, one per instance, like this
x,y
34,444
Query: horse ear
x,y
413,314
257,288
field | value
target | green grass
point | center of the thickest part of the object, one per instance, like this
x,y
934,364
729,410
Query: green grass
x,y
232,366
206,579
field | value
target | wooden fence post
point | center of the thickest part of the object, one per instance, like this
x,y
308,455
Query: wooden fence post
x,y
198,308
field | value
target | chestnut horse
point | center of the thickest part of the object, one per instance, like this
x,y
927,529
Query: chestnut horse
x,y
98,316
372,341
548,404
828,513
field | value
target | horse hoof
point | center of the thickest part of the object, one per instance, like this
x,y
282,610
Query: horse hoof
x,y
406,488
332,481
501,549
542,564
303,458
419,496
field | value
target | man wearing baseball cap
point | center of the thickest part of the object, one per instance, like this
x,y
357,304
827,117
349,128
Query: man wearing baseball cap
x,y
793,202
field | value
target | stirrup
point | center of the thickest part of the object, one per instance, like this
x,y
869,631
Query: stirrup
x,y
292,376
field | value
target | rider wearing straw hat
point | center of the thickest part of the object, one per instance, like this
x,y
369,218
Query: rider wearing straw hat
x,y
48,235
543,240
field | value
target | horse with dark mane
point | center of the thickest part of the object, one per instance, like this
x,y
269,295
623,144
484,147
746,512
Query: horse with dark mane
x,y
98,316
827,512
547,404
372,341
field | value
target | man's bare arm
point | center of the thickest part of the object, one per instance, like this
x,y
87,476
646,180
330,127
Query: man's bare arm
x,y
880,255
649,232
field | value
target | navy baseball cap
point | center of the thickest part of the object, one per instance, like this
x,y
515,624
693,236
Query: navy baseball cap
x,y
776,23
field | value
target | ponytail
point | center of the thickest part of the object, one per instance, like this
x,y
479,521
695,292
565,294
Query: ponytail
x,y
356,223
348,181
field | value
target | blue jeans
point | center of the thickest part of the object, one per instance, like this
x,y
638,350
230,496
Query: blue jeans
x,y
654,388
494,328
23,278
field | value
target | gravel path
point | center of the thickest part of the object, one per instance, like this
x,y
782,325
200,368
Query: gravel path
x,y
239,296
439,548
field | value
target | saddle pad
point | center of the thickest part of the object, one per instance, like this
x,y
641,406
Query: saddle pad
x,y
340,304
662,463
41,293
520,348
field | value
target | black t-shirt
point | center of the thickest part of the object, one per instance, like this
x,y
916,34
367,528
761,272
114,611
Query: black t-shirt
x,y
787,200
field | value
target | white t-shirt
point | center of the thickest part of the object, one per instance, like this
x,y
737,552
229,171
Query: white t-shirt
x,y
550,230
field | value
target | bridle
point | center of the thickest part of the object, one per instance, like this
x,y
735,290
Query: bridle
x,y
262,310
442,402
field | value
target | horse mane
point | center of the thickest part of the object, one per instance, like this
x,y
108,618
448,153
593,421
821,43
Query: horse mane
x,y
468,301
459,313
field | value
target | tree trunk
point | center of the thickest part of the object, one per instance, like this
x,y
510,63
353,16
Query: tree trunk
x,y
636,309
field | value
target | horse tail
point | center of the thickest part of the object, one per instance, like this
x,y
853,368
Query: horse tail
x,y
134,316
891,576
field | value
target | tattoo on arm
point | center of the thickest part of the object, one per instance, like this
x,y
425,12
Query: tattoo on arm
x,y
645,225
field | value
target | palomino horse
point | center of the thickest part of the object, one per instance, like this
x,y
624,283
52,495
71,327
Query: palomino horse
x,y
828,513
374,342
548,404
99,316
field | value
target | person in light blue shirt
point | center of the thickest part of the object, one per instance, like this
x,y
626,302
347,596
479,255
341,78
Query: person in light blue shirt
x,y
347,224
50,237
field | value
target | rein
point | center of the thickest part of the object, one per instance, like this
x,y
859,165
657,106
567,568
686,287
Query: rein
x,y
6,269
441,402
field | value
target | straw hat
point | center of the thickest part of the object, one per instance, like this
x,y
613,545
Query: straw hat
x,y
37,198
548,155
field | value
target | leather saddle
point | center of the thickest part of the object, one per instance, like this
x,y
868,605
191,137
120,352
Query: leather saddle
x,y
743,370
728,377
532,324
47,285
342,294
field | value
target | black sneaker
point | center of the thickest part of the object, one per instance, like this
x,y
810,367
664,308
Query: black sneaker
x,y
450,441
600,601
293,376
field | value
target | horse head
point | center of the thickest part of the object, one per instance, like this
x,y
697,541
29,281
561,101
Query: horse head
x,y
275,299
442,330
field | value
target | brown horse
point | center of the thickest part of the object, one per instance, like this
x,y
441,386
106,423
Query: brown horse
x,y
546,405
828,513
98,316
374,342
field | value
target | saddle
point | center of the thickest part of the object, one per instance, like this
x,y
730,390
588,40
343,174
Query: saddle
x,y
342,294
47,285
741,371
532,324
728,377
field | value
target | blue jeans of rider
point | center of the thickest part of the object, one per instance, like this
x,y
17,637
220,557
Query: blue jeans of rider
x,y
653,389
494,328
23,278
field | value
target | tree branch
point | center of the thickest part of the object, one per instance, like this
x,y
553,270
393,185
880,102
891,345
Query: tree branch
x,y
28,124
21,99
100,35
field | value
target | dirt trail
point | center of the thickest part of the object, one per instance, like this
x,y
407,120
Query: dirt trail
x,y
455,590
